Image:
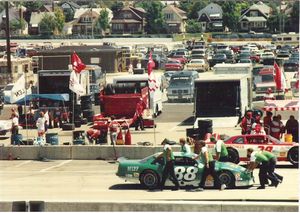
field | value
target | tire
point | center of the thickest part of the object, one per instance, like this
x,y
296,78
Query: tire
x,y
227,178
149,179
293,156
233,155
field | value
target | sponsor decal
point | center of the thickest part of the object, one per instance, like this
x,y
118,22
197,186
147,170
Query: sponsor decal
x,y
186,174
132,168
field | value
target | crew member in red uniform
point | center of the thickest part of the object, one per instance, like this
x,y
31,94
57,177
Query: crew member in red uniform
x,y
140,106
93,135
246,123
113,128
267,122
276,128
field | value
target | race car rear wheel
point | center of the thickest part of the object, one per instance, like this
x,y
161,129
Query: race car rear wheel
x,y
227,178
293,156
233,155
149,179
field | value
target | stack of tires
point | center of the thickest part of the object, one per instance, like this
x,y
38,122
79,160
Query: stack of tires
x,y
86,106
77,115
204,127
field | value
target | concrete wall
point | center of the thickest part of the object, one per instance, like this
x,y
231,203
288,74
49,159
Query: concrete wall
x,y
80,152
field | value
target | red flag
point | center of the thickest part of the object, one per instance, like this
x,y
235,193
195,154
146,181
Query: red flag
x,y
279,78
150,64
77,64
151,77
297,84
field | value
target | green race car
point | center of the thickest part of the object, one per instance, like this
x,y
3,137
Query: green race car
x,y
148,172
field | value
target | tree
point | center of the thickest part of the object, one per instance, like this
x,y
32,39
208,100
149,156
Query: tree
x,y
232,13
116,7
47,25
193,7
69,15
102,23
17,24
59,19
154,17
294,20
33,5
193,26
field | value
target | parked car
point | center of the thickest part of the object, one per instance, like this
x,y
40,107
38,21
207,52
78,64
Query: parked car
x,y
148,172
198,54
217,58
245,61
291,65
199,65
237,147
283,54
173,65
181,58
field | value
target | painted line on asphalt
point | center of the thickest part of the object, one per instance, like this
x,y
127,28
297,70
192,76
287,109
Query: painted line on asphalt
x,y
56,166
172,129
23,163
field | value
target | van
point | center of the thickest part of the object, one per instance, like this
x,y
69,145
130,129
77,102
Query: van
x,y
181,86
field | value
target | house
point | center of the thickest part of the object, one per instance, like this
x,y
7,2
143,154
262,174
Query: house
x,y
69,5
255,18
85,20
15,15
175,19
35,20
211,18
129,20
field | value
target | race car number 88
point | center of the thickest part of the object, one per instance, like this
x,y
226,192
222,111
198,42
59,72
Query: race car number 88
x,y
187,174
267,148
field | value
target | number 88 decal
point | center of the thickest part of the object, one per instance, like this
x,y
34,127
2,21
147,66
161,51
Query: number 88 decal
x,y
186,174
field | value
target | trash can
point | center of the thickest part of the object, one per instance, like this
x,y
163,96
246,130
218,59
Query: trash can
x,y
52,138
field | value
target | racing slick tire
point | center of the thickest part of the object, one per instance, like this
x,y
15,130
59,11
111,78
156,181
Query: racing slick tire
x,y
227,178
233,155
149,179
293,156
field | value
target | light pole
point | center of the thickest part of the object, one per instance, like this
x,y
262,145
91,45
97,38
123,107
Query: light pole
x,y
7,29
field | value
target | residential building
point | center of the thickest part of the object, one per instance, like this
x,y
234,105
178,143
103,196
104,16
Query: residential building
x,y
175,19
255,18
85,20
35,20
15,15
211,18
129,20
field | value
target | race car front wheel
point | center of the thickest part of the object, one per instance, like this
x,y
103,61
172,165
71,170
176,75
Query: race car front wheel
x,y
227,178
149,179
293,156
233,155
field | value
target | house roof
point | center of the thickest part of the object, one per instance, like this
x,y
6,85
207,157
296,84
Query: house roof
x,y
36,17
72,4
179,12
79,12
262,7
208,10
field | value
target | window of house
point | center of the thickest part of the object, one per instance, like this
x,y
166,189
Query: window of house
x,y
169,16
127,15
244,25
253,13
118,26
86,19
15,69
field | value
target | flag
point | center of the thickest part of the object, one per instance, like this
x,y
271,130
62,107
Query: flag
x,y
74,84
77,64
151,78
18,91
279,78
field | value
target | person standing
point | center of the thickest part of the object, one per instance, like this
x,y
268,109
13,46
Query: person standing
x,y
267,122
209,167
139,109
113,128
47,119
257,158
169,170
246,123
271,168
221,150
276,128
14,127
184,146
40,124
292,127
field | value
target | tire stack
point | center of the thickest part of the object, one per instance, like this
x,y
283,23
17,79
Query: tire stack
x,y
86,106
77,115
204,126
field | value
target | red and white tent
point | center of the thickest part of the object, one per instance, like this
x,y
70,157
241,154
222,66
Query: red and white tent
x,y
281,105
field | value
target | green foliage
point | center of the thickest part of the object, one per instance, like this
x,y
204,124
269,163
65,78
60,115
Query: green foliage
x,y
154,17
59,19
294,21
193,26
33,5
17,24
102,23
193,7
116,7
47,25
69,15
232,13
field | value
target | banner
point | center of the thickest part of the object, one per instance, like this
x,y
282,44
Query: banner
x,y
151,78
18,91
74,84
279,78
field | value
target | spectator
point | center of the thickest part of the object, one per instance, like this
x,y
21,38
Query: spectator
x,y
130,69
184,146
14,127
281,125
40,124
246,123
257,129
292,127
267,122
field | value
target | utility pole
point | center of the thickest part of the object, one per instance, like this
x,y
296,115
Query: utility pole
x,y
7,29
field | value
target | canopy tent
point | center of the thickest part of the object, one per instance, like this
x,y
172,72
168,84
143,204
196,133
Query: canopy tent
x,y
281,105
54,97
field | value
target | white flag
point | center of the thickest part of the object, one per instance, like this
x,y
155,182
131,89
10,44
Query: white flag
x,y
18,91
74,84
